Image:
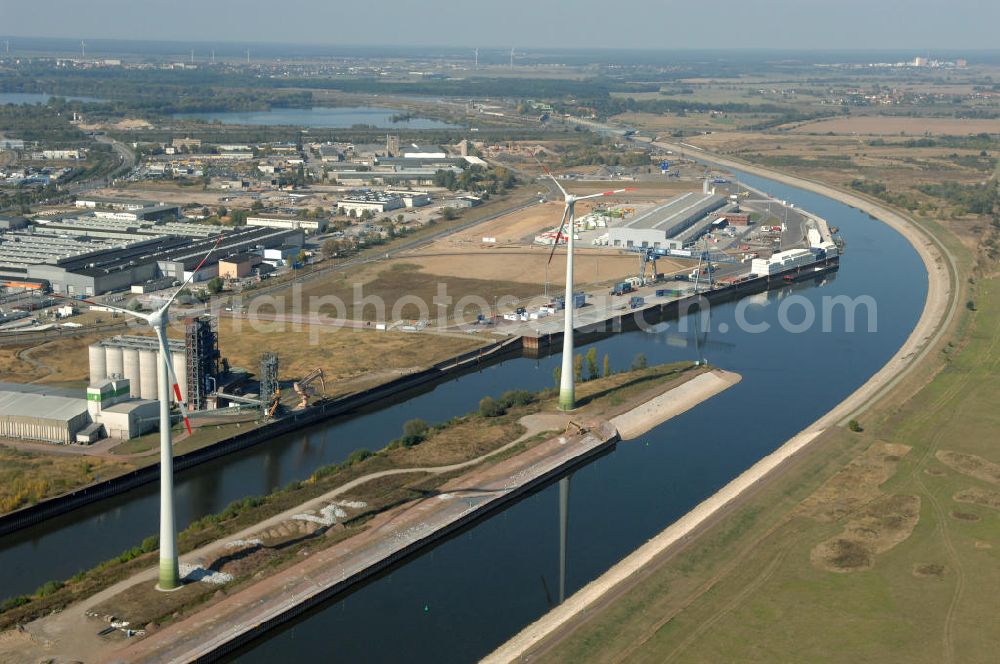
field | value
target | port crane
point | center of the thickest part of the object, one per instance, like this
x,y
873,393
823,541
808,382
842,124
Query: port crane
x,y
304,388
706,261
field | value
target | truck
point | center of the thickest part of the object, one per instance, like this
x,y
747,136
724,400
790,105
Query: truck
x,y
622,288
635,302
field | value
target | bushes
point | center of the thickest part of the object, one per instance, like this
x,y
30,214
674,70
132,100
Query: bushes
x,y
414,432
48,588
855,426
490,407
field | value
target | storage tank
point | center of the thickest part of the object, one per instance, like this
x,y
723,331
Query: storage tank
x,y
148,359
98,364
180,369
114,362
130,366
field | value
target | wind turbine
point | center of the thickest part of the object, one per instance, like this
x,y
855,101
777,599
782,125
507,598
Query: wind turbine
x,y
169,572
567,389
83,49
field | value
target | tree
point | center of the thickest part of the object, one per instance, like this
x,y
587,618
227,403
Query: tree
x,y
607,366
639,362
854,426
414,431
592,371
301,257
557,375
214,285
330,248
449,213
490,407
578,367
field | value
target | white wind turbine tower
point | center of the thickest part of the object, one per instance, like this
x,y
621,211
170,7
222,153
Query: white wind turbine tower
x,y
567,389
169,572
83,49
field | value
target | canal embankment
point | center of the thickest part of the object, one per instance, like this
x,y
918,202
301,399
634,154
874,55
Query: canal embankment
x,y
936,317
391,536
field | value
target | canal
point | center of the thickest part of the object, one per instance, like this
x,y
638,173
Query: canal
x,y
465,596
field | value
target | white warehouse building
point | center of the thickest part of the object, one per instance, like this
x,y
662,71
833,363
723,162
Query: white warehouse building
x,y
310,226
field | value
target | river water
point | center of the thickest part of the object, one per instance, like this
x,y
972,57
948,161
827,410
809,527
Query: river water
x,y
467,595
320,117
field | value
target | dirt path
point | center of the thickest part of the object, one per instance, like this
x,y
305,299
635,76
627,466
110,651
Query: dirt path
x,y
939,310
27,356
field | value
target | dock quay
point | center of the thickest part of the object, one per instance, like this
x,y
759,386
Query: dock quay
x,y
610,315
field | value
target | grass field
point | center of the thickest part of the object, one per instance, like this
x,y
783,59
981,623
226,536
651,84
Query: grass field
x,y
27,477
752,588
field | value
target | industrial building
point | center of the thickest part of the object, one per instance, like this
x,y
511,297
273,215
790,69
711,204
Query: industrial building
x,y
377,202
655,227
49,418
136,359
411,199
419,176
8,223
195,361
310,226
107,410
239,266
88,256
93,202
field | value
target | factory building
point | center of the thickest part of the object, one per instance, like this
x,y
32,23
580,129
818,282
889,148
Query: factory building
x,y
310,226
656,227
8,223
49,418
195,361
358,202
411,199
149,213
92,261
136,359
93,202
239,266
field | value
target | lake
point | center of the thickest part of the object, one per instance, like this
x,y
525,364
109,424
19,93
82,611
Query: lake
x,y
320,118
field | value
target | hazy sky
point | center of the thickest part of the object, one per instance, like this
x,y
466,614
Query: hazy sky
x,y
818,24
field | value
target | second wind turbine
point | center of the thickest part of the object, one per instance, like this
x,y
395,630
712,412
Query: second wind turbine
x,y
567,386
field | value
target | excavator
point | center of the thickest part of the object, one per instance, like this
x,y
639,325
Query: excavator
x,y
304,388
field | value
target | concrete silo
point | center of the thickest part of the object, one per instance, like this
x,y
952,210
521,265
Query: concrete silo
x,y
114,361
148,359
180,370
98,363
130,368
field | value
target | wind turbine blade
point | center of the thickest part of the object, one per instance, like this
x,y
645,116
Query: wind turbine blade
x,y
187,282
562,224
549,173
168,362
606,193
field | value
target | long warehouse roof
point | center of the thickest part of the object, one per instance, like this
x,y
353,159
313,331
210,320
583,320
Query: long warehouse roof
x,y
673,212
41,406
